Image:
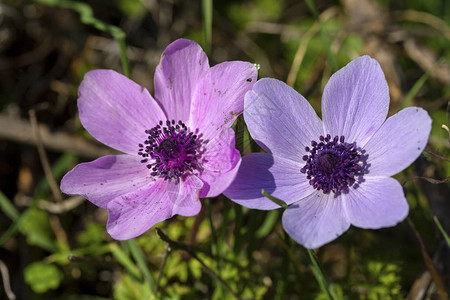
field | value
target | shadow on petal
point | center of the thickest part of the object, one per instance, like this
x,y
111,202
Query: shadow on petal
x,y
253,176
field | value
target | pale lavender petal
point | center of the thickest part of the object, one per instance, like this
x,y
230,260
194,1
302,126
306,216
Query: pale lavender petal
x,y
280,120
177,76
220,97
106,178
278,176
116,111
315,220
398,142
376,203
355,101
220,164
132,214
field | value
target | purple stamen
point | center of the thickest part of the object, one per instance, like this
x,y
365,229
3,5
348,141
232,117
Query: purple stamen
x,y
172,150
332,164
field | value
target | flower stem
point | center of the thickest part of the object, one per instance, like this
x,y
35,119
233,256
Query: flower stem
x,y
180,246
280,202
123,55
321,280
207,11
161,268
215,245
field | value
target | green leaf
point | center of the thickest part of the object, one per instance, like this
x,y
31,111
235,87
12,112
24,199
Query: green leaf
x,y
93,234
130,289
36,227
42,276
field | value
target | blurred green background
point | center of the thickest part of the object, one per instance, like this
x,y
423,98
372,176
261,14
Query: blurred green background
x,y
53,249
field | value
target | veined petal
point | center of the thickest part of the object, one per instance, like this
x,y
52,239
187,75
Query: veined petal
x,y
219,151
280,120
315,220
106,178
182,65
116,111
220,164
132,214
398,142
187,202
220,97
215,183
355,101
278,176
377,202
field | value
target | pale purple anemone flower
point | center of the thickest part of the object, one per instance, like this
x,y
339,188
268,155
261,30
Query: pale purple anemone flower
x,y
336,172
178,147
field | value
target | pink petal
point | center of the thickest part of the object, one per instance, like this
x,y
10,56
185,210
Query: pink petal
x,y
177,76
132,214
280,120
278,176
315,220
220,97
187,202
398,142
221,163
116,111
215,183
355,101
219,151
378,202
106,178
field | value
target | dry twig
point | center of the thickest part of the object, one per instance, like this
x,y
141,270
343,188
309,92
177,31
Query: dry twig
x,y
21,131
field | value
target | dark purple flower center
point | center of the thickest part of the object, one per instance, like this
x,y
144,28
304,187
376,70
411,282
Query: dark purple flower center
x,y
171,151
332,165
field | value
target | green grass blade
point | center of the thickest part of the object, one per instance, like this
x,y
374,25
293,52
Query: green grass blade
x,y
215,249
87,17
8,208
59,168
324,36
125,261
238,238
415,89
418,85
14,228
139,257
321,280
438,224
268,224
